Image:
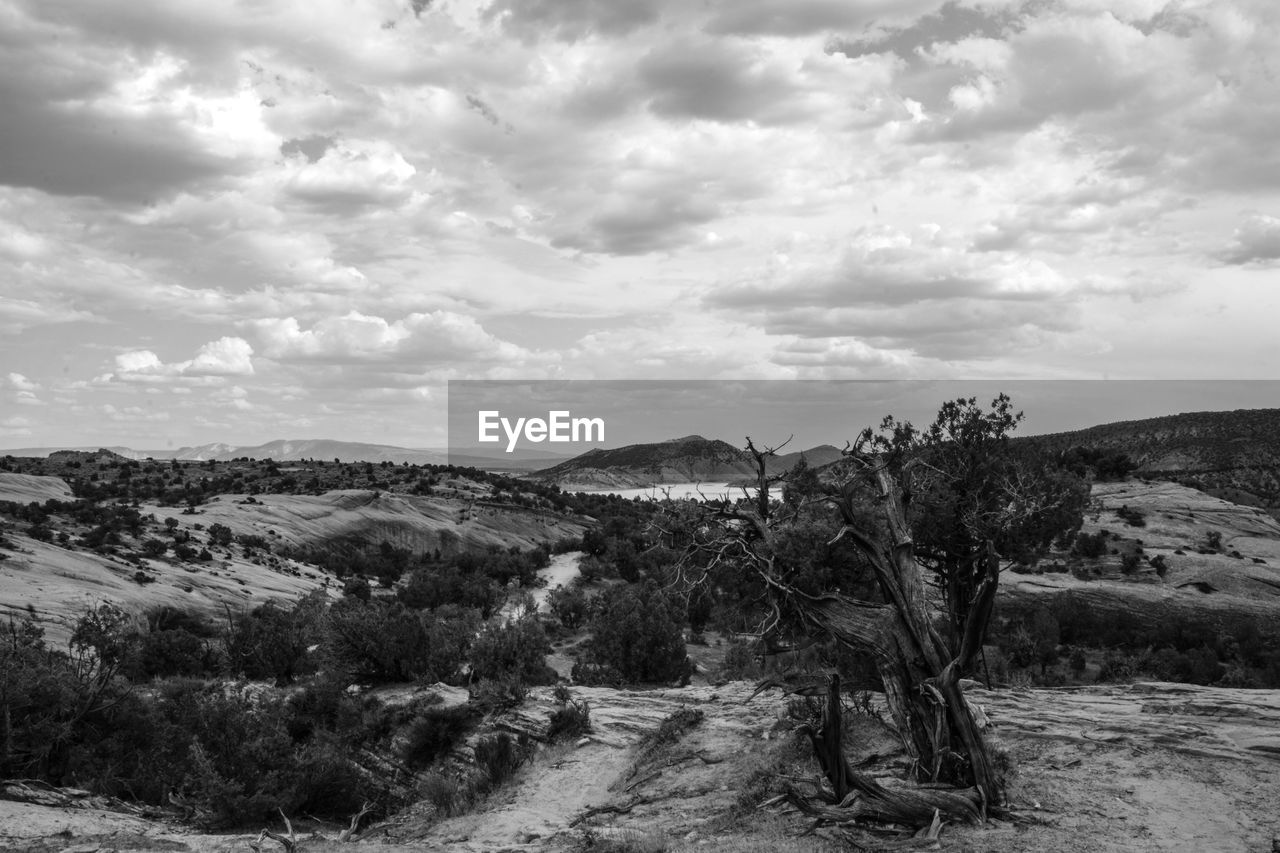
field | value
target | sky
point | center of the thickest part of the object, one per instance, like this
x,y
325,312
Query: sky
x,y
245,221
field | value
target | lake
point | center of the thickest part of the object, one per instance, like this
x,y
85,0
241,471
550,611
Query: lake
x,y
678,491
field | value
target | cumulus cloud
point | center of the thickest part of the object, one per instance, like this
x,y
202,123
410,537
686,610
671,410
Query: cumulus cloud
x,y
23,390
839,358
1256,242
226,356
380,195
21,383
413,344
352,175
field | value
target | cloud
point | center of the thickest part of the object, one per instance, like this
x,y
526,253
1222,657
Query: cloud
x,y
15,427
24,390
89,122
352,175
717,81
923,293
133,414
1256,242
838,357
226,356
569,20
399,352
21,383
806,17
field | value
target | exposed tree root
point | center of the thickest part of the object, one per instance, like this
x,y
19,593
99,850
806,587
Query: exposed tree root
x,y
858,797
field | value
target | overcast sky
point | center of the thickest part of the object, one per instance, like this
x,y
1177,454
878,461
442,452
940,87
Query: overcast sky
x,y
256,220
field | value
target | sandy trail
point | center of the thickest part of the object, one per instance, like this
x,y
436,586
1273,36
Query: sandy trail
x,y
562,571
535,811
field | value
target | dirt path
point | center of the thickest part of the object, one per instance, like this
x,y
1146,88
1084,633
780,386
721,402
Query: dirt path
x,y
562,571
536,810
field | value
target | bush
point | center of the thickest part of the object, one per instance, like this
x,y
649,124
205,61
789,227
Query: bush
x,y
154,547
1131,517
272,642
637,636
569,605
434,733
513,649
1090,545
492,696
572,720
381,640
447,794
173,652
741,662
357,588
499,756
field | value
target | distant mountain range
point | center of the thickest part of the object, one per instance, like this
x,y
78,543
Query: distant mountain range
x,y
1234,455
283,450
286,450
679,460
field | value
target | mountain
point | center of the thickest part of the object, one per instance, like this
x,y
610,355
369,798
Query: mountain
x,y
1234,455
689,459
281,450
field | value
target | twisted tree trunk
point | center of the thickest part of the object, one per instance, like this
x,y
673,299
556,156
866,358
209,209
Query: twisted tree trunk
x,y
921,675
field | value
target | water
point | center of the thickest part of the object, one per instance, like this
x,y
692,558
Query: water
x,y
677,491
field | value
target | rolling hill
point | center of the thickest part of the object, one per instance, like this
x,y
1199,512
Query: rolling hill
x,y
281,450
1234,455
678,460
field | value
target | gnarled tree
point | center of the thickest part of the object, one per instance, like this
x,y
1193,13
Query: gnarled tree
x,y
958,462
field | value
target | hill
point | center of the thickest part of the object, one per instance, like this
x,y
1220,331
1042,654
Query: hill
x,y
281,450
689,459
1234,455
59,566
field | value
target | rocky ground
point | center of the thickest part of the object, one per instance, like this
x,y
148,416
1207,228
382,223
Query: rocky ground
x,y
1112,768
1139,767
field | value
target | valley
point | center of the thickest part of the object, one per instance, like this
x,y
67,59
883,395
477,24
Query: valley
x,y
1130,678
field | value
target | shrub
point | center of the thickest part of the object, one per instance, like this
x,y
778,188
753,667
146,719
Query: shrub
x,y
740,662
383,640
1090,545
515,649
1129,563
572,719
637,635
495,695
569,605
1131,517
499,756
272,642
154,547
357,587
446,793
1160,564
434,733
